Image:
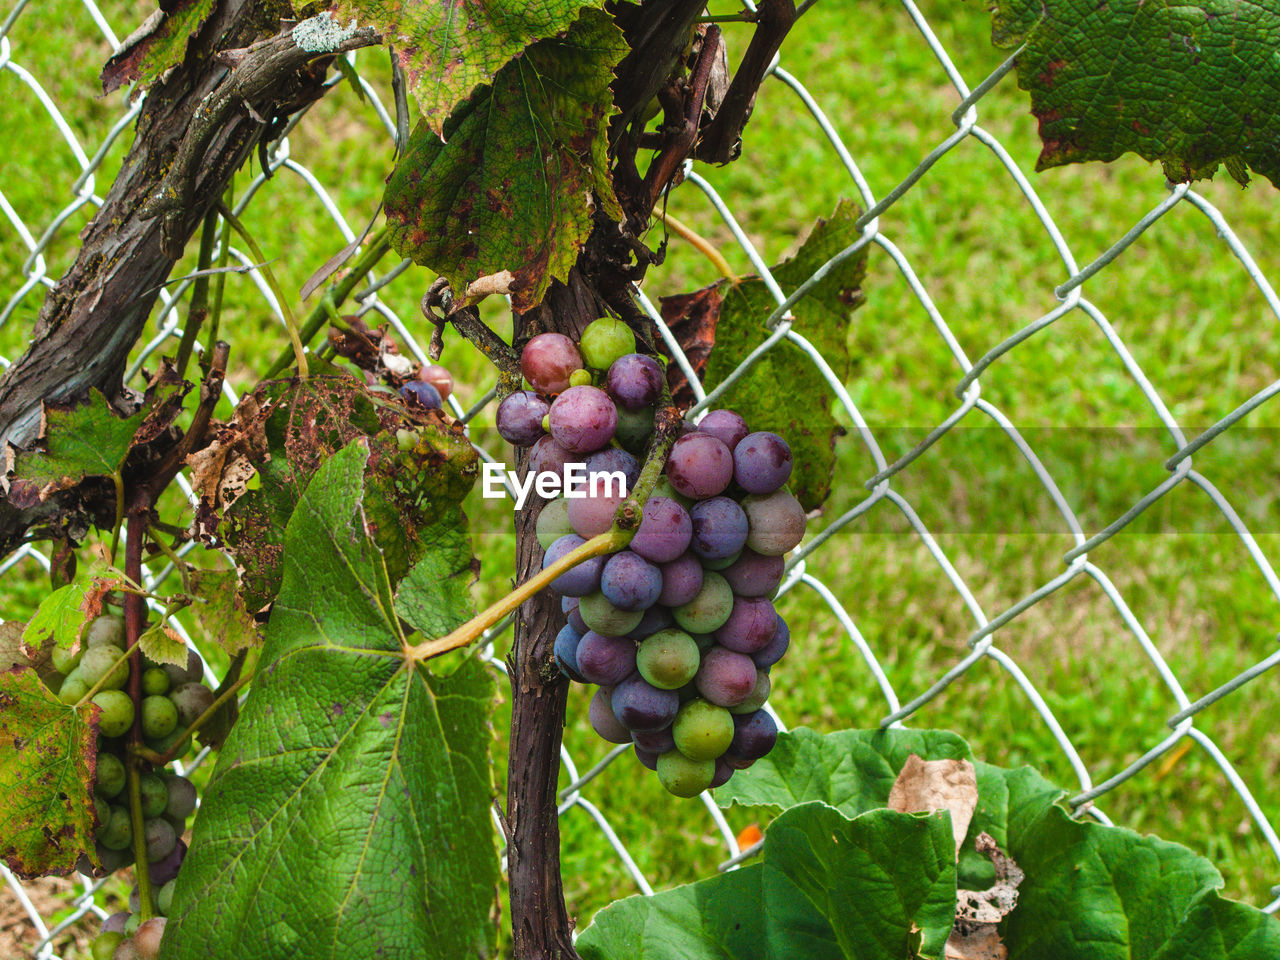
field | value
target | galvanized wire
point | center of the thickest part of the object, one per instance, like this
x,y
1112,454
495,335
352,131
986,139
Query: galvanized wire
x,y
36,240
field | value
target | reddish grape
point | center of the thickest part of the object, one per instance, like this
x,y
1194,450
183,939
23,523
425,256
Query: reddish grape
x,y
719,528
630,582
751,625
761,462
639,705
725,678
580,580
634,381
592,515
605,724
754,575
700,466
520,416
754,735
583,419
664,531
776,648
547,361
438,377
422,394
681,580
726,426
605,660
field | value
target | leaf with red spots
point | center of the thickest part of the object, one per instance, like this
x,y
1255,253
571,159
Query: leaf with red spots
x,y
1191,85
521,169
447,49
48,757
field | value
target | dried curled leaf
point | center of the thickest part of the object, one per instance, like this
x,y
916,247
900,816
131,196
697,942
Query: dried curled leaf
x,y
925,786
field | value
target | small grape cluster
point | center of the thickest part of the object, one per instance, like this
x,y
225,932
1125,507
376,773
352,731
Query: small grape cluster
x,y
678,629
430,389
173,697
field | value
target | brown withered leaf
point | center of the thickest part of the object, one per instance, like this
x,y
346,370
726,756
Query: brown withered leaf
x,y
692,319
979,911
221,471
925,786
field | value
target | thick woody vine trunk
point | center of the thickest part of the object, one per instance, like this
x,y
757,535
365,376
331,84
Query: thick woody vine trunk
x,y
90,321
540,924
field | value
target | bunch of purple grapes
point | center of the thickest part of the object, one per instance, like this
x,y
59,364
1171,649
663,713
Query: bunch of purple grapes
x,y
678,629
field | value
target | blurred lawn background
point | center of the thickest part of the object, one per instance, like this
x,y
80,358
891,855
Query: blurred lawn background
x,y
1181,301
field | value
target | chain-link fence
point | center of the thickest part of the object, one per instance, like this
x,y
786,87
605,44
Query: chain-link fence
x,y
883,489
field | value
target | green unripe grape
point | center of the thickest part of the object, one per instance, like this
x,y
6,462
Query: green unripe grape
x,y
604,341
708,611
159,716
603,617
553,522
64,661
106,631
155,681
101,808
53,682
110,778
155,795
182,798
104,945
546,423
705,641
105,661
131,927
633,432
164,899
73,689
702,730
117,832
668,659
117,712
722,563
758,695
580,378
682,776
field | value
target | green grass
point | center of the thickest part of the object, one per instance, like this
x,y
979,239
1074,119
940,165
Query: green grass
x,y
1178,297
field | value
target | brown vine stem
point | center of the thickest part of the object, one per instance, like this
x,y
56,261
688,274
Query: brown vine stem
x,y
134,617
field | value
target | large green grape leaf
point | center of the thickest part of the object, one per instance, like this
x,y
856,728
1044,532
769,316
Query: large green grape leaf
x,y
448,49
1190,84
348,815
513,184
1090,890
48,758
160,43
1111,894
300,423
878,887
784,391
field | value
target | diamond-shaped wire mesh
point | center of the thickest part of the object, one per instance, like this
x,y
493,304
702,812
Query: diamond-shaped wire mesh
x,y
876,225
